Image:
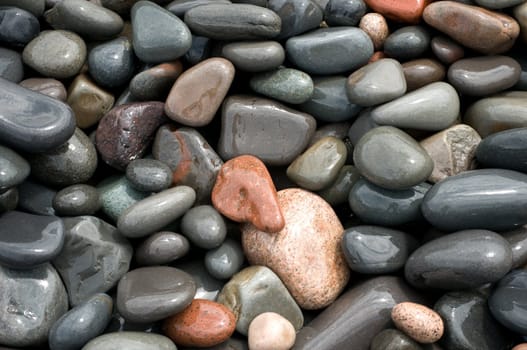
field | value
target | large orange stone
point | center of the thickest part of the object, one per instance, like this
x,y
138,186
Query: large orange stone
x,y
406,11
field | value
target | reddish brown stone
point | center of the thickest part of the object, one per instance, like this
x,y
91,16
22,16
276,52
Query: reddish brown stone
x,y
446,49
203,323
245,192
407,11
421,72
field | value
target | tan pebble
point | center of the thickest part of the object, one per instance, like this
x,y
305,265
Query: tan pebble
x,y
418,322
520,347
271,331
375,25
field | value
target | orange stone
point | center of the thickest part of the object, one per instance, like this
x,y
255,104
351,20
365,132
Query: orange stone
x,y
520,347
244,192
406,11
203,323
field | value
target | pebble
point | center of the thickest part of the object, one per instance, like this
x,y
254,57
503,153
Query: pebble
x,y
375,25
312,233
77,200
81,324
393,339
199,91
344,12
203,323
407,43
152,213
487,257
256,290
149,294
421,72
161,248
36,7
421,323
271,331
496,5
149,175
11,66
226,260
35,198
204,226
254,56
15,169
407,11
517,238
446,50
56,54
207,287
180,7
94,257
338,50
392,159
337,192
47,86
474,27
244,192
505,149
18,26
117,194
111,64
130,341
154,84
32,301
263,121
8,199
297,16
507,301
284,84
522,346
520,14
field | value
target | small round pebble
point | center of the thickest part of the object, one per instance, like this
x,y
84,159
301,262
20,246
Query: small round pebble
x,y
77,200
271,331
418,321
204,226
375,25
223,262
161,248
149,175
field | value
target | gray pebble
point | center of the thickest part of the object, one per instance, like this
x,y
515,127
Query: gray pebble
x,y
35,198
15,169
77,200
284,84
8,199
337,192
161,248
149,175
407,43
11,66
204,226
298,16
226,260
254,56
111,64
130,341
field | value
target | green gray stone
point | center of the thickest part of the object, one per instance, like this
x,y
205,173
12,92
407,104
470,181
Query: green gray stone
x,y
77,200
204,226
117,194
254,56
284,84
224,261
337,192
130,341
111,64
149,175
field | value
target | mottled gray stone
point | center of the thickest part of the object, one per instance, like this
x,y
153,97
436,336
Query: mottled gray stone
x,y
111,64
149,175
11,66
505,149
298,16
337,192
77,200
204,226
36,198
407,43
226,260
130,341
254,56
161,248
15,169
118,194
284,84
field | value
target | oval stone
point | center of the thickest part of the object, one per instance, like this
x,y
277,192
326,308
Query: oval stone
x,y
337,192
149,175
18,26
15,169
518,240
456,202
77,200
204,226
407,43
254,56
486,257
344,12
297,16
446,50
505,149
418,321
271,331
35,198
421,72
406,11
111,63
284,84
130,341
507,303
161,248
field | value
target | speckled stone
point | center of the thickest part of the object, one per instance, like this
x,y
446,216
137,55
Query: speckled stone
x,y
11,66
117,194
421,72
271,331
15,169
407,43
517,238
254,56
226,260
418,321
337,192
8,199
507,301
77,200
375,25
47,86
55,53
149,175
18,26
505,149
446,50
284,84
161,248
130,341
297,16
255,290
111,64
393,339
36,198
154,84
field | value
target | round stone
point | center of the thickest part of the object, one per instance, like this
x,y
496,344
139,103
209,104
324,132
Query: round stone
x,y
270,330
407,43
161,248
149,175
226,260
446,50
204,226
284,84
15,169
130,341
111,64
421,323
77,200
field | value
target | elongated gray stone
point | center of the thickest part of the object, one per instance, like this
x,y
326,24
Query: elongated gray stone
x,y
505,149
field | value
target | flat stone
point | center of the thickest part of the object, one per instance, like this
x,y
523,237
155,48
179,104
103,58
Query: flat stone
x,y
149,294
407,43
203,323
149,175
15,169
117,194
31,121
453,151
11,65
391,159
421,323
284,84
154,84
161,248
507,301
344,12
159,35
18,26
455,203
297,16
407,11
56,54
433,107
130,341
111,64
47,86
446,50
330,50
255,290
36,7
94,257
226,260
233,22
337,192
27,318
254,56
8,199
393,339
263,121
472,26
77,200
36,198
199,91
421,72
81,324
271,331
505,149
156,211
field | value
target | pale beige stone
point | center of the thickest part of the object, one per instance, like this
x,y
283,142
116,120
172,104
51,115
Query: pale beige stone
x,y
419,322
271,331
375,25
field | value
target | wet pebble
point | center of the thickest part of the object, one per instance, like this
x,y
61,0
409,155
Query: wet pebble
x,y
47,86
130,340
226,260
155,83
421,72
161,248
15,169
254,56
116,195
76,200
344,12
393,339
270,330
407,43
507,301
11,65
337,192
18,26
284,84
505,150
421,323
204,226
111,64
149,175
407,12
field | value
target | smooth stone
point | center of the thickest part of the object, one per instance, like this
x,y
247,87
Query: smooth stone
x,y
328,51
497,113
486,255
455,203
204,226
319,165
271,331
94,257
446,50
8,199
88,101
376,83
284,84
77,200
522,60
376,249
357,316
198,93
47,86
81,324
344,12
407,43
87,19
207,287
199,50
56,54
125,132
337,193
149,175
203,323
312,233
254,56
226,260
28,240
263,121
244,192
329,101
111,64
117,194
233,22
375,25
433,107
393,339
33,122
18,26
520,14
421,323
130,341
149,294
161,248
32,301
73,162
36,198
180,7
469,323
36,7
392,159
507,301
407,11
505,149
179,148
517,238
421,72
154,84
497,5
361,126
158,34
255,290
124,7
379,206
11,66
338,130
472,26
15,169
297,16
453,151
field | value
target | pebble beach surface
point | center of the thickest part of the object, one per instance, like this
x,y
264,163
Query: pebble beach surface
x,y
263,174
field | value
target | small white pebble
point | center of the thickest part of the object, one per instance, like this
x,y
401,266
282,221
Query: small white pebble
x,y
271,331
